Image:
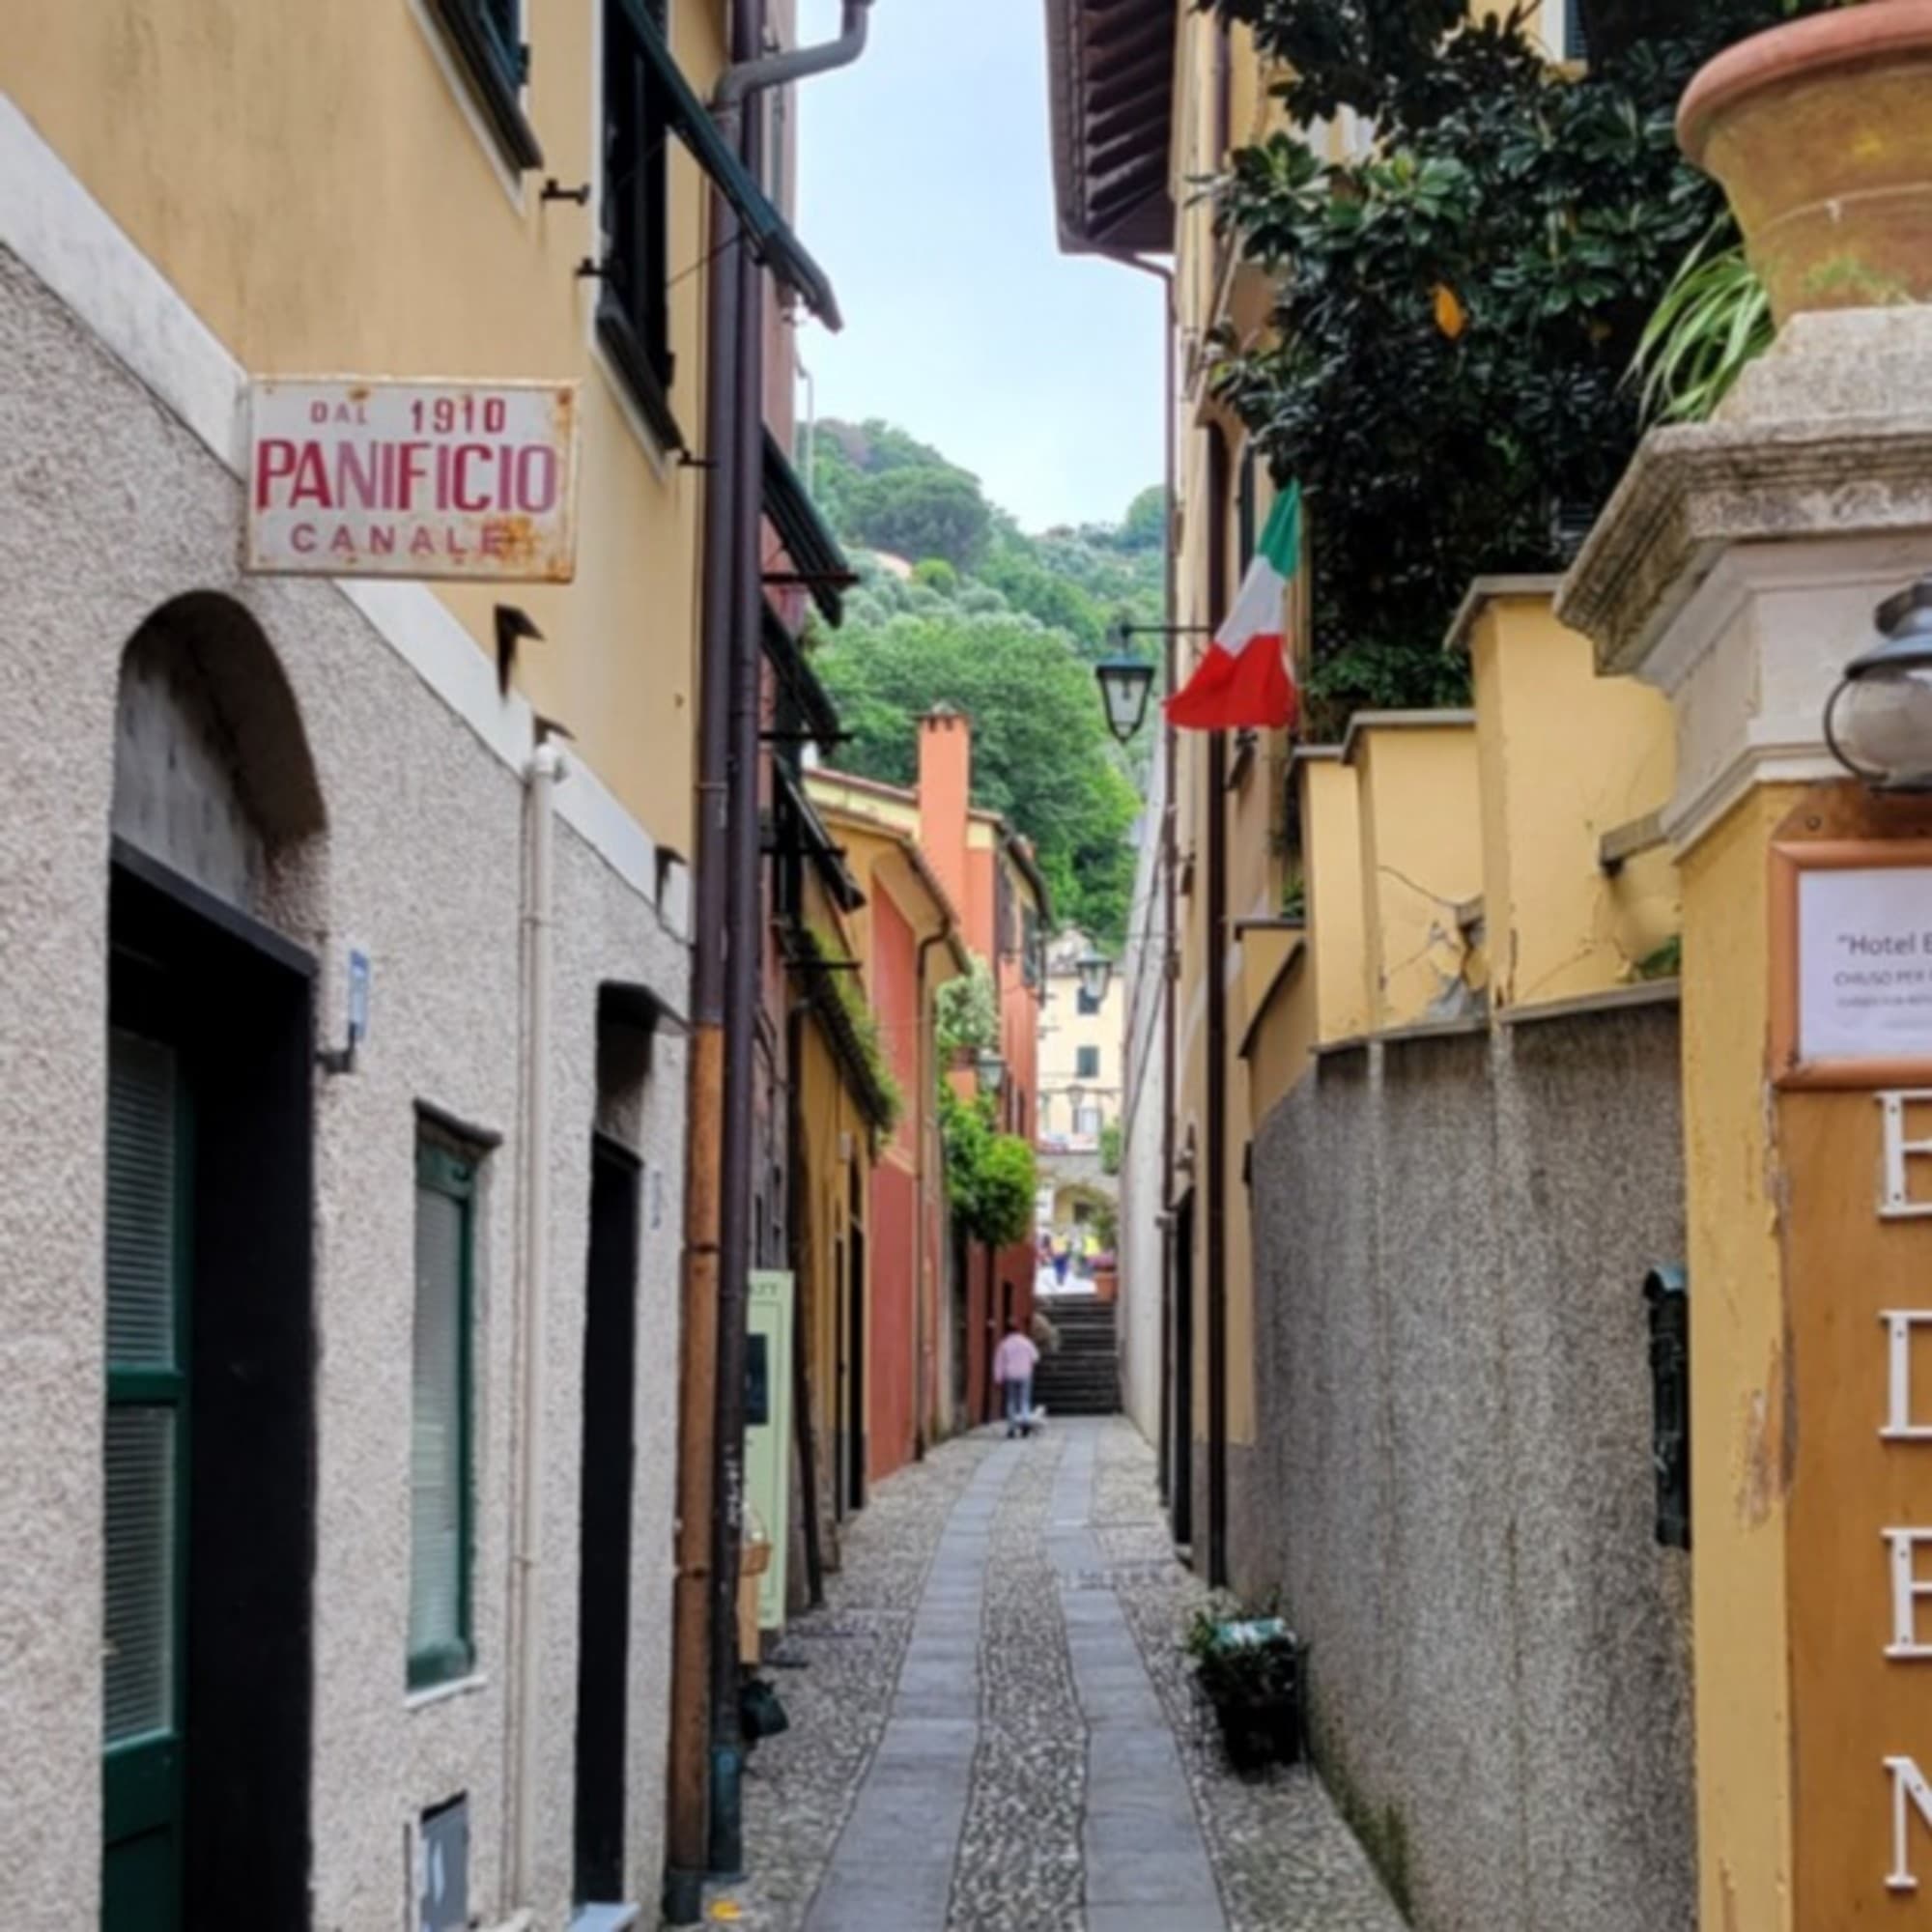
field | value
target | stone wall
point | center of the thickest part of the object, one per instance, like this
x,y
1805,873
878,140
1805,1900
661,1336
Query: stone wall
x,y
1452,1234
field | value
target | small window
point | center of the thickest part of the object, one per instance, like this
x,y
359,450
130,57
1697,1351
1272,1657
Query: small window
x,y
1088,1062
488,40
1089,1006
634,309
441,1424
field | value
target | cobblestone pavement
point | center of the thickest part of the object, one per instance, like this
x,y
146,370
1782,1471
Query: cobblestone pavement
x,y
994,1730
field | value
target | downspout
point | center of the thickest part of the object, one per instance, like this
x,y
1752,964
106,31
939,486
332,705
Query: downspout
x,y
925,1089
733,539
544,773
688,1801
1170,860
1220,473
756,72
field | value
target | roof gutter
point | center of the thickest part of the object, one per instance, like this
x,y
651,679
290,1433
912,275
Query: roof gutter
x,y
737,84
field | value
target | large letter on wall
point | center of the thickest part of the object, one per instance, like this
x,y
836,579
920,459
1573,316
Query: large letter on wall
x,y
1908,1785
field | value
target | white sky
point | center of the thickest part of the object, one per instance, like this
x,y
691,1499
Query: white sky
x,y
926,190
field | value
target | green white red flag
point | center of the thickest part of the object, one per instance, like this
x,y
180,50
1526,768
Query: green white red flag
x,y
1243,678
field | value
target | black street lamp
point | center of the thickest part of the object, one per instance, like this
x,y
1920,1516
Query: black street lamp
x,y
1879,720
1126,684
1096,974
991,1068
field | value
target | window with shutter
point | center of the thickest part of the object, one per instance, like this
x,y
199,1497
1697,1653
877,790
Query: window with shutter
x,y
633,307
487,37
143,1471
441,1646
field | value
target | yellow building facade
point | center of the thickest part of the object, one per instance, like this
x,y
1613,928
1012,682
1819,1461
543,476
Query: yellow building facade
x,y
409,868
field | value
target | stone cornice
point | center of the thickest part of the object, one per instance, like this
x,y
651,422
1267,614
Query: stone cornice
x,y
1692,493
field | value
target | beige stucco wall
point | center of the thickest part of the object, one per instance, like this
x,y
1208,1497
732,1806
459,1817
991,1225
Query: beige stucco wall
x,y
1063,1031
422,865
318,187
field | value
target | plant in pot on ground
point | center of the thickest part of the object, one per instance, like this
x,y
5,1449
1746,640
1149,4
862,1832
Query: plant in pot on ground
x,y
1249,1668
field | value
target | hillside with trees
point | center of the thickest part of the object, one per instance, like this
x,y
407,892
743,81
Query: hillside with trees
x,y
1003,626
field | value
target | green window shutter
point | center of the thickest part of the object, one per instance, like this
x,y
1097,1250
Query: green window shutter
x,y
140,1564
142,1199
144,1241
440,1644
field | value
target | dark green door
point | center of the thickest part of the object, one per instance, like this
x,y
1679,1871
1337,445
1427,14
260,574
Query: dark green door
x,y
145,1464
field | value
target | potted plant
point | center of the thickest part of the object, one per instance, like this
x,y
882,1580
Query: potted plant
x,y
1250,1671
1820,132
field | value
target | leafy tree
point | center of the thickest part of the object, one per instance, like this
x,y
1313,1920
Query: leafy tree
x,y
1457,312
921,513
968,1018
991,1177
1145,526
1041,756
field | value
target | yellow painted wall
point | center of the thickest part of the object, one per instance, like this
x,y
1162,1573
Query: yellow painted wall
x,y
1565,757
1422,858
315,182
1331,845
1737,1340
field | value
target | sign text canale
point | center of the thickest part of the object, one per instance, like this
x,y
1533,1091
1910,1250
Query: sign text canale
x,y
373,479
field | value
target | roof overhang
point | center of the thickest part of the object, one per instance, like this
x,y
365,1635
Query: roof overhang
x,y
1109,79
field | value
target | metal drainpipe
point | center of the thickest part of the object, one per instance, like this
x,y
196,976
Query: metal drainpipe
x,y
925,1086
740,499
543,774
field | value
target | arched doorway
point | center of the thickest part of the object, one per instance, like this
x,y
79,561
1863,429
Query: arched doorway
x,y
209,1457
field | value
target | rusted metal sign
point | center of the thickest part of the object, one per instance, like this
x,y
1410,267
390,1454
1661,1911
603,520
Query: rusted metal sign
x,y
351,477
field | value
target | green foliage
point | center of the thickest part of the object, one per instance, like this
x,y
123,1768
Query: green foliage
x,y
968,1019
884,1101
1110,1150
1041,756
1665,964
1457,309
1713,321
1145,526
921,513
1005,627
991,1177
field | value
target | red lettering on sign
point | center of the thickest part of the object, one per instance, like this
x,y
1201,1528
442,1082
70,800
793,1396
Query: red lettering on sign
x,y
311,479
302,538
276,457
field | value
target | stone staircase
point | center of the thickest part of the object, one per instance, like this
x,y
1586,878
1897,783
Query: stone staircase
x,y
1083,1375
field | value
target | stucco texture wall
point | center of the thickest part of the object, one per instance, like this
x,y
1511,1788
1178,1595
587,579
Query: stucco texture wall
x,y
114,510
1454,1481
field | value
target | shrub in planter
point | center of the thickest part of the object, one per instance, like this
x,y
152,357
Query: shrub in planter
x,y
1250,1671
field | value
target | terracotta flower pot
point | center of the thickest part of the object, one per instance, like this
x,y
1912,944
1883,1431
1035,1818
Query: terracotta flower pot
x,y
1821,135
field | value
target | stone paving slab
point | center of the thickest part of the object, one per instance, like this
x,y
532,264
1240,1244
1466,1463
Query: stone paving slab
x,y
997,1730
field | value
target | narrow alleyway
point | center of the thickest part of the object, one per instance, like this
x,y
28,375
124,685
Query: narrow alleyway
x,y
993,1729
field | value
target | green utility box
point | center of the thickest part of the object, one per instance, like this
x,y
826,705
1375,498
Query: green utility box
x,y
768,1430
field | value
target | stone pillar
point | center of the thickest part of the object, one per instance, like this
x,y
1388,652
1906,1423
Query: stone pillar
x,y
1737,570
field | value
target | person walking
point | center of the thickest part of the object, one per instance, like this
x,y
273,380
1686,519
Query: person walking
x,y
1013,1364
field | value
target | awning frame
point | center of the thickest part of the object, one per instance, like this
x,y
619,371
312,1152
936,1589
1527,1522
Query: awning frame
x,y
767,233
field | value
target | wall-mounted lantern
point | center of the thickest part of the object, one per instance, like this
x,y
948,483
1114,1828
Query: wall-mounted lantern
x,y
1879,720
1096,974
1667,1290
1125,685
990,1068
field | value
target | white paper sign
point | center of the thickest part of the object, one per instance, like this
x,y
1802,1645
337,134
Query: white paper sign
x,y
1864,963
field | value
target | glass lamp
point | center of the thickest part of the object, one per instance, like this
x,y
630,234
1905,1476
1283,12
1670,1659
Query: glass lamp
x,y
1126,684
1879,720
1096,973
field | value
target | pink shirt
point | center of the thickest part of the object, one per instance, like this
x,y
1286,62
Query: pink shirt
x,y
1015,1359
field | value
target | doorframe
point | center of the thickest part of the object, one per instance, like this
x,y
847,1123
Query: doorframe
x,y
243,1006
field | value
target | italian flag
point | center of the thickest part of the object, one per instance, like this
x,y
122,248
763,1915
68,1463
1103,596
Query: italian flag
x,y
1242,679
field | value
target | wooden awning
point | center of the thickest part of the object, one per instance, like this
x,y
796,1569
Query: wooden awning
x,y
1111,67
